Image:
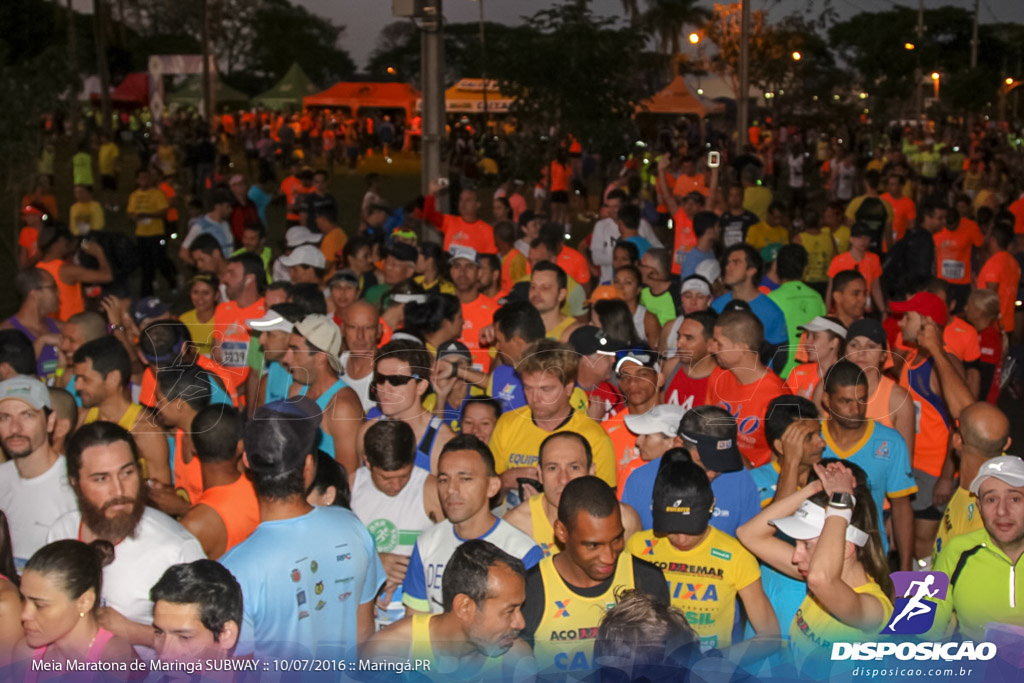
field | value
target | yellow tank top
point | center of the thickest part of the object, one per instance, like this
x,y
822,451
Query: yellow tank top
x,y
543,531
448,668
564,639
561,327
960,517
814,630
820,251
127,420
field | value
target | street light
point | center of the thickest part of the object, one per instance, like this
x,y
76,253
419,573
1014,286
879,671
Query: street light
x,y
1008,81
935,81
391,70
908,46
797,56
694,38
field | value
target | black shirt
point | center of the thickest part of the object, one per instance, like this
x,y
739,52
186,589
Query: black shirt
x,y
647,578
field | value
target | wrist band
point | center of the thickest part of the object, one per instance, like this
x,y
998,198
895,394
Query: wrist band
x,y
845,513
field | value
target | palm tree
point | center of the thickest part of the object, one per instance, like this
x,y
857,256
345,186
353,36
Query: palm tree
x,y
665,21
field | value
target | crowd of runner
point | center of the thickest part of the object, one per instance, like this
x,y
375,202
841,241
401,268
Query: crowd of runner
x,y
713,426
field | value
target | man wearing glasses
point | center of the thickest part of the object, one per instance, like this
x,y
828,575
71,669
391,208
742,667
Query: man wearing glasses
x,y
401,377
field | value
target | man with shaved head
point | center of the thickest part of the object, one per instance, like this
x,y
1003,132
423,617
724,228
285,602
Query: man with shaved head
x,y
982,432
78,329
361,332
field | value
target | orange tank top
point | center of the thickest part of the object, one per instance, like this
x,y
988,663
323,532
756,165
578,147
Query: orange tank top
x,y
237,506
71,300
878,403
930,426
188,477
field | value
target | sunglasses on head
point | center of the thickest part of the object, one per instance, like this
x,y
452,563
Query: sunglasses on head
x,y
394,380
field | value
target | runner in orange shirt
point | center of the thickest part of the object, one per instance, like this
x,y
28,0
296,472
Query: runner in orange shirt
x,y
864,262
466,229
683,209
903,209
824,339
742,385
688,180
1001,272
953,253
640,380
477,309
559,173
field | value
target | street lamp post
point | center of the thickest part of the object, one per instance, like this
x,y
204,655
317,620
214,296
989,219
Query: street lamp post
x,y
936,77
743,105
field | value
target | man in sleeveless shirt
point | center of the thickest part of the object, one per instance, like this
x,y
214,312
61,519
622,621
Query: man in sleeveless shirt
x,y
568,593
314,358
102,371
39,302
477,634
396,501
226,512
564,456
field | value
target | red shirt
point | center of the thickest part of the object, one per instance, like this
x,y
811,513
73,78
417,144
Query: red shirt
x,y
574,265
748,403
1002,269
686,391
953,251
990,343
1017,209
607,395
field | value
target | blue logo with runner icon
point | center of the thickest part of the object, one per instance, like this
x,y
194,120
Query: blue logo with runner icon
x,y
916,594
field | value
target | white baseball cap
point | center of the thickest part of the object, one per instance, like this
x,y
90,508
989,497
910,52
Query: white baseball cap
x,y
458,251
709,269
306,255
298,235
823,324
324,334
1006,468
809,520
661,419
270,322
27,390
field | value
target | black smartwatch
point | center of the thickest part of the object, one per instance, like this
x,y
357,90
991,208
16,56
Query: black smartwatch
x,y
842,501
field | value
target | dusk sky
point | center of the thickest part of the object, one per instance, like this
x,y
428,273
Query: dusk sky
x,y
365,18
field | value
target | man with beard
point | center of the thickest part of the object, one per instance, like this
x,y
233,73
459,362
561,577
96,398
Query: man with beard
x,y
103,469
102,370
483,591
34,488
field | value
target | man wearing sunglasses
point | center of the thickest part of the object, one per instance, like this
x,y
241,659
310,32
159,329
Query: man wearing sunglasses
x,y
314,359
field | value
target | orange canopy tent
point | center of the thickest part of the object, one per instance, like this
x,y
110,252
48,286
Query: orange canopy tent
x,y
676,98
357,96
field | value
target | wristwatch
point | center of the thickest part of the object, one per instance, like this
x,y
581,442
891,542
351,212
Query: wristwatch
x,y
842,501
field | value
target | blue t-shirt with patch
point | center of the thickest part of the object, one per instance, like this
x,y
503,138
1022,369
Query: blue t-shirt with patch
x,y
767,311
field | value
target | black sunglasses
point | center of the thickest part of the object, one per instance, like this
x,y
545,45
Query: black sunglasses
x,y
394,380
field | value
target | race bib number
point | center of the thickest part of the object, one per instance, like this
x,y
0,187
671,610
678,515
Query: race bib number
x,y
234,353
952,270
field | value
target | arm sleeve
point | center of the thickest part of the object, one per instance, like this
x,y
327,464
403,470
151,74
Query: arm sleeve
x,y
497,444
944,562
650,580
647,232
748,570
533,608
414,588
601,247
191,236
833,267
604,456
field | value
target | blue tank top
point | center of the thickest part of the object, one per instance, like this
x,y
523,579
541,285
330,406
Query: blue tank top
x,y
46,364
506,388
920,379
426,444
324,442
279,380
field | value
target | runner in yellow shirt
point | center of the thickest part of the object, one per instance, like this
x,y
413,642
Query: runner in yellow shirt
x,y
706,569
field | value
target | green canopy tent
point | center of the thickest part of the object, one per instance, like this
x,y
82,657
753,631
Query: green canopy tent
x,y
191,92
289,91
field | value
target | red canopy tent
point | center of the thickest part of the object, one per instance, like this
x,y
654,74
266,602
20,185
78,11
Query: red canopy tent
x,y
132,91
357,96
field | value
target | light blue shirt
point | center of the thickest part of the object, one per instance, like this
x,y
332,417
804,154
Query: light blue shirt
x,y
303,580
279,381
261,199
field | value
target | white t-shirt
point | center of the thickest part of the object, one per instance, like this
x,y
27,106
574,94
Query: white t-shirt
x,y
33,505
435,546
139,561
204,225
602,244
361,386
395,522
